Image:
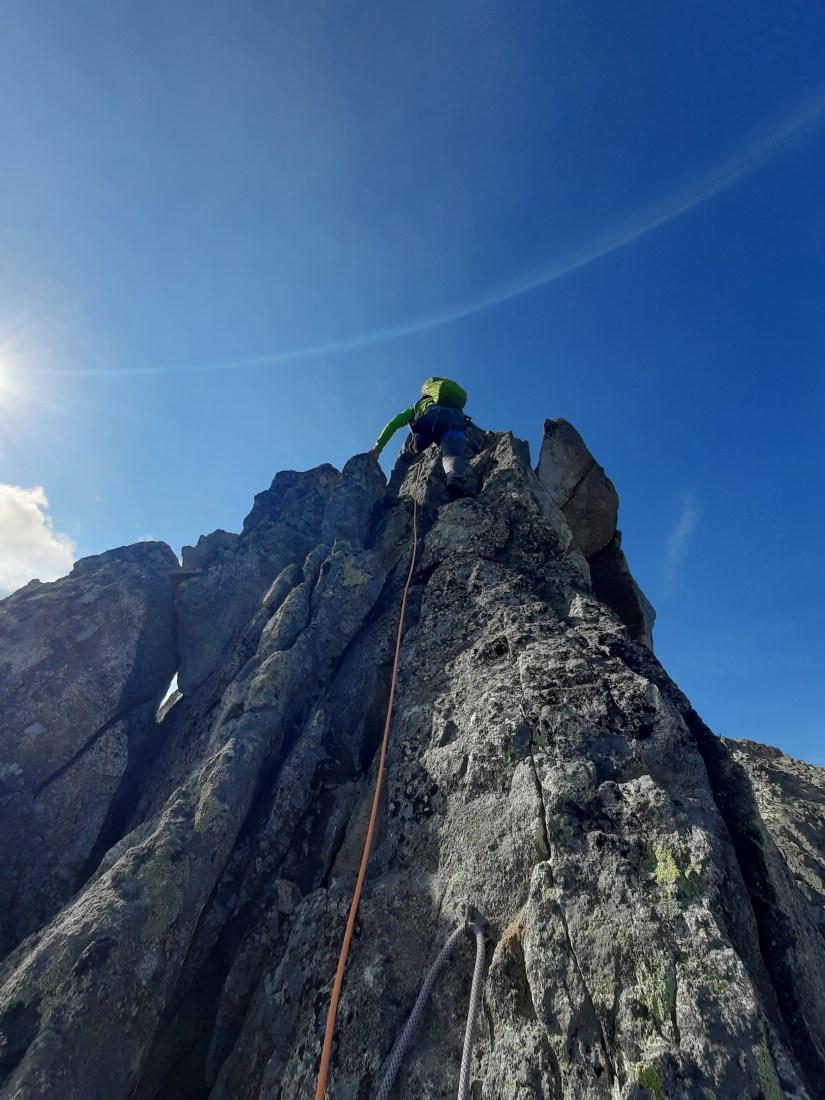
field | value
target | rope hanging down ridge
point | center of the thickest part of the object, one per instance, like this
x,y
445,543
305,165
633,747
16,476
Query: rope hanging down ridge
x,y
356,897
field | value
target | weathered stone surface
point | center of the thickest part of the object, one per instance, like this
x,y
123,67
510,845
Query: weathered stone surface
x,y
578,486
654,908
84,663
614,585
790,797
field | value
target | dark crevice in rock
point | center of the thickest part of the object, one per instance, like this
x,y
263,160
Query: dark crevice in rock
x,y
374,722
375,717
778,936
177,1062
422,576
188,1030
579,483
118,820
488,1016
555,1068
589,1005
545,835
180,1051
674,1022
184,1034
90,744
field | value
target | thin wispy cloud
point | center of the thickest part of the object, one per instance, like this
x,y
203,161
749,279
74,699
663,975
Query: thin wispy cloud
x,y
677,542
766,148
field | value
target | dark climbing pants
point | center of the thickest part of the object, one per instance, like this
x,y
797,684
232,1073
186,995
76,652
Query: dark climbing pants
x,y
438,425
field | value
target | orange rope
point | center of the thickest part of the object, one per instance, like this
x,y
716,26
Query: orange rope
x,y
356,897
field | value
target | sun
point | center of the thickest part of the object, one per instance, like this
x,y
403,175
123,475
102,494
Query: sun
x,y
7,384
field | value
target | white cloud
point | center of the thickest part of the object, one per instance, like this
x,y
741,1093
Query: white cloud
x,y
678,540
29,545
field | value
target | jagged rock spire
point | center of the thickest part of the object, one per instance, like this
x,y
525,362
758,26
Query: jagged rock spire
x,y
655,903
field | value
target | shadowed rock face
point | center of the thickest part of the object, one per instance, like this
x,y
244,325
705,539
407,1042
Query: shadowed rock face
x,y
84,663
654,893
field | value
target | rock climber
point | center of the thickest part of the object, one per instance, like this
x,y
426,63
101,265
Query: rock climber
x,y
437,417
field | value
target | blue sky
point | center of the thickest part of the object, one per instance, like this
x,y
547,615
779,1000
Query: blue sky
x,y
611,213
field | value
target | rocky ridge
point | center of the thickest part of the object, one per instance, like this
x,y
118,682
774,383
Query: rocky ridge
x,y
175,887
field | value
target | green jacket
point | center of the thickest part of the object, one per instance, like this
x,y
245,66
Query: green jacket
x,y
399,421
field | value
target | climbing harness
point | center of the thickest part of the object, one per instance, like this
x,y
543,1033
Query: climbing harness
x,y
472,926
356,897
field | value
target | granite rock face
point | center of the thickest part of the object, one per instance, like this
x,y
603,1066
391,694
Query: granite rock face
x,y
654,893
84,663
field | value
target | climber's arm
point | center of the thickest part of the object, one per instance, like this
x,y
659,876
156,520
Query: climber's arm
x,y
389,431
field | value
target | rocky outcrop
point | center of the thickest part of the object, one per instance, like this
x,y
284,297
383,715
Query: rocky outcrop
x,y
84,663
654,913
789,802
586,497
578,486
614,585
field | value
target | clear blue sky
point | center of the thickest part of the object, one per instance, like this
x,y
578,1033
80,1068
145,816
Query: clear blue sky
x,y
607,212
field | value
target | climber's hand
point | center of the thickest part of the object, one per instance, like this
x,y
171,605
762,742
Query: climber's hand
x,y
373,453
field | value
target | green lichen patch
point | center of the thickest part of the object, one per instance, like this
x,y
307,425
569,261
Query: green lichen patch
x,y
649,1078
656,976
674,870
706,974
548,892
162,881
667,873
766,1071
352,575
562,1054
270,682
603,987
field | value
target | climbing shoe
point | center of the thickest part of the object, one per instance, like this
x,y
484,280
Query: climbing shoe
x,y
456,491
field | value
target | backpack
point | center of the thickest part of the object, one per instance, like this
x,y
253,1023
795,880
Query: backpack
x,y
445,392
